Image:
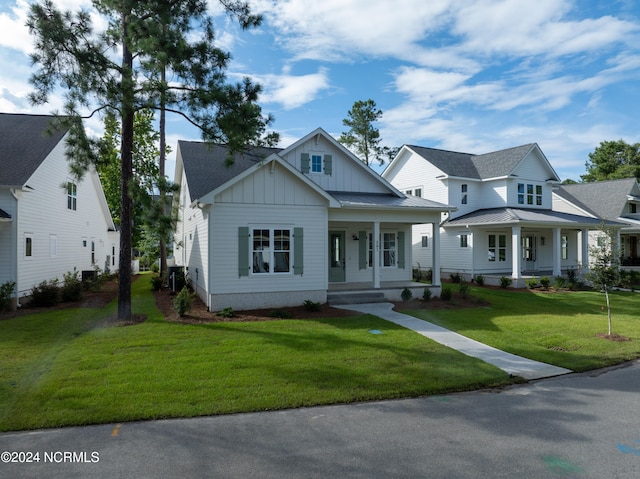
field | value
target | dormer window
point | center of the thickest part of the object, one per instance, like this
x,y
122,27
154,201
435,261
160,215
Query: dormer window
x,y
633,208
531,193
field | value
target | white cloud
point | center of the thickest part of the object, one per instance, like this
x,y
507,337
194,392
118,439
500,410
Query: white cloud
x,y
292,91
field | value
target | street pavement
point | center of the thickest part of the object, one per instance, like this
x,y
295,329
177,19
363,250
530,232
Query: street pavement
x,y
571,426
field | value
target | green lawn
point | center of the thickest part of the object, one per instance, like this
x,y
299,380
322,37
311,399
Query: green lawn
x,y
65,368
556,328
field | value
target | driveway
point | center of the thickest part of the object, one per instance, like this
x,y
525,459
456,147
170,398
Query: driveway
x,y
571,426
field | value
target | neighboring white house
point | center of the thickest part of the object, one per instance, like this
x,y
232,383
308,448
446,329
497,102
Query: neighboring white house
x,y
50,223
281,226
504,223
616,200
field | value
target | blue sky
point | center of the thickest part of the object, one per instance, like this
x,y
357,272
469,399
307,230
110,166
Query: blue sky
x,y
472,76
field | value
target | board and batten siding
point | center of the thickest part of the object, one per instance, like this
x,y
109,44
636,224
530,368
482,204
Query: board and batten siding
x,y
346,174
62,238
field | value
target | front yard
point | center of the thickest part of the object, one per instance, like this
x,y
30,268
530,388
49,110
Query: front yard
x,y
75,366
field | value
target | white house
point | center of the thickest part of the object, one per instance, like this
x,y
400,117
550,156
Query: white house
x,y
281,226
616,200
504,224
50,223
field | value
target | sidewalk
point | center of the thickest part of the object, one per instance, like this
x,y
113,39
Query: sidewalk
x,y
510,363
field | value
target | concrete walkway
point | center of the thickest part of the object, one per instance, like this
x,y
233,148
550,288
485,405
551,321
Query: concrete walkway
x,y
512,364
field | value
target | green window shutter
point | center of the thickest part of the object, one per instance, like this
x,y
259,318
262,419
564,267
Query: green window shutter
x,y
401,249
243,251
328,164
298,251
362,249
305,163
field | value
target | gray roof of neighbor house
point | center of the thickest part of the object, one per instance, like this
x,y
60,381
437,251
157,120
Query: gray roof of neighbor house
x,y
508,216
24,144
604,199
205,164
467,165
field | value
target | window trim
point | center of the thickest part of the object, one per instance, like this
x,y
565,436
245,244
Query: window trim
x,y
72,196
315,165
464,189
28,246
499,247
530,194
271,249
464,240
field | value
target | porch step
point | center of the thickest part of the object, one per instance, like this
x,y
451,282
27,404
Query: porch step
x,y
355,298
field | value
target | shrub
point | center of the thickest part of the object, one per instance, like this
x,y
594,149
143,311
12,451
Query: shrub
x,y
406,294
445,294
46,293
545,282
71,289
280,314
226,313
155,268
532,283
156,282
455,277
417,274
312,306
182,301
478,279
426,294
505,282
559,282
6,290
572,278
428,276
463,289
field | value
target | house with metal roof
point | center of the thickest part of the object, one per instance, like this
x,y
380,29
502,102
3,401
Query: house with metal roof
x,y
277,226
504,224
50,223
617,200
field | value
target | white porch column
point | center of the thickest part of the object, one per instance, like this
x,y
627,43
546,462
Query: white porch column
x,y
584,253
435,251
376,254
516,250
557,252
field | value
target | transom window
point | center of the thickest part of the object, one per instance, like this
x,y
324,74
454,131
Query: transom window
x,y
72,196
271,250
316,164
497,248
529,194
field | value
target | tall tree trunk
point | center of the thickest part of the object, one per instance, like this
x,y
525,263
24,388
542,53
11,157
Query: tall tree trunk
x,y
163,246
126,152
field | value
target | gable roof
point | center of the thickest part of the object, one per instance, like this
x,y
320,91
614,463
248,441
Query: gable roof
x,y
603,199
205,169
24,144
496,164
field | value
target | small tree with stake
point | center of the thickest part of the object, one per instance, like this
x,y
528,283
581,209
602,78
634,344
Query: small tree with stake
x,y
604,267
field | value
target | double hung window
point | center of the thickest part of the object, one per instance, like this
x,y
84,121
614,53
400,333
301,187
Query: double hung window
x,y
271,250
497,248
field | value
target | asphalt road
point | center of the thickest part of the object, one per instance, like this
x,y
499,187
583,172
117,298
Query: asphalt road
x,y
574,426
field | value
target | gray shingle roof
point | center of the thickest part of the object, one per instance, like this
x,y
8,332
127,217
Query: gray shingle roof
x,y
467,165
378,200
24,144
205,169
512,216
604,199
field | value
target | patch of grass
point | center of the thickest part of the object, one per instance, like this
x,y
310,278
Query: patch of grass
x,y
558,328
65,368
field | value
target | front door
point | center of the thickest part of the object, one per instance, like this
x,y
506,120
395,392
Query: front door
x,y
336,257
529,253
